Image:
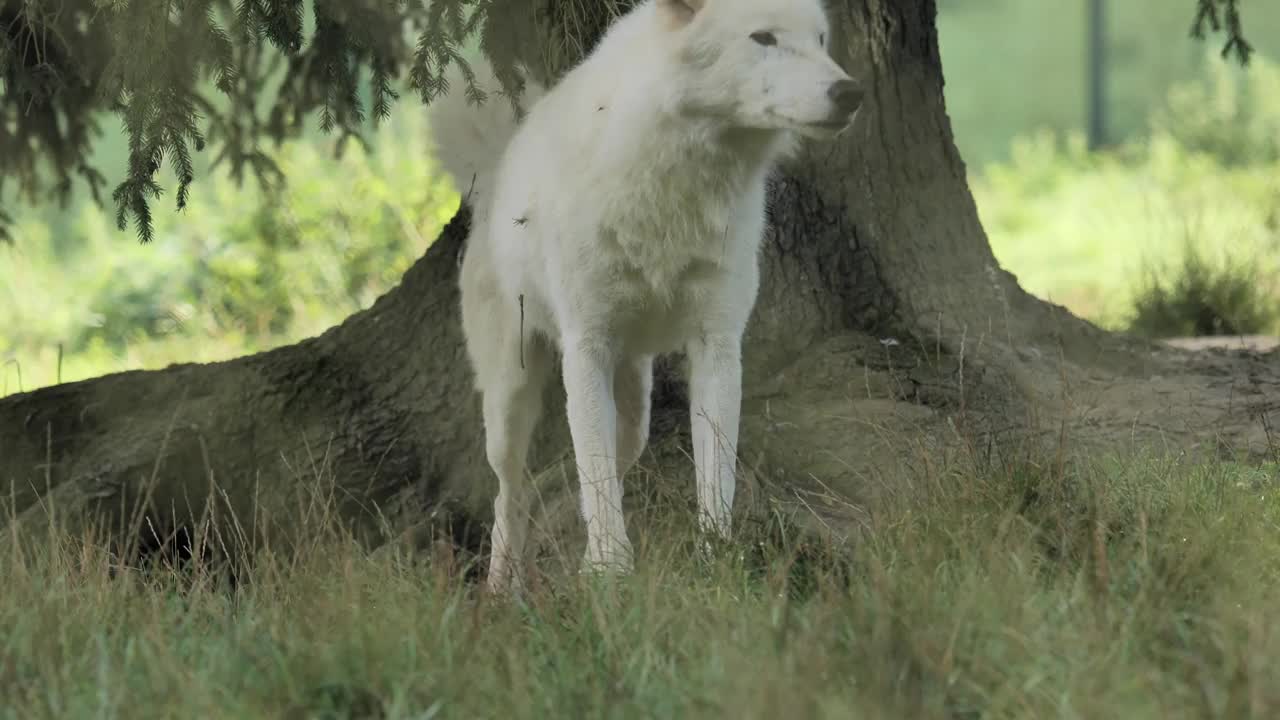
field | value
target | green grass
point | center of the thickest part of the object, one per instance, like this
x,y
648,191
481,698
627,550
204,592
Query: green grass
x,y
1198,299
239,271
1091,232
1139,588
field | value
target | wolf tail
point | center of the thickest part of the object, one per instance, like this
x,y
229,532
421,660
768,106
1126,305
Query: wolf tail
x,y
471,138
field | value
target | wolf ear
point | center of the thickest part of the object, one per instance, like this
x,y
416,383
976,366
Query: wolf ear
x,y
677,13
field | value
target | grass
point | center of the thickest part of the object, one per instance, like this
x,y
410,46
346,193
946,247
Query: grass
x,y
1134,588
1092,232
1199,299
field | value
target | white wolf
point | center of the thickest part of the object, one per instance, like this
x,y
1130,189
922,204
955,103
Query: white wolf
x,y
620,219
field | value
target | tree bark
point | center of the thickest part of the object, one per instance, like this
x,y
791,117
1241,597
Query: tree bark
x,y
885,333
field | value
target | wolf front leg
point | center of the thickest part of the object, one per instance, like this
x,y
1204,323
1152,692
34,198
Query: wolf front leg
x,y
592,411
715,400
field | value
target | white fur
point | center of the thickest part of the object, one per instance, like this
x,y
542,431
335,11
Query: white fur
x,y
622,219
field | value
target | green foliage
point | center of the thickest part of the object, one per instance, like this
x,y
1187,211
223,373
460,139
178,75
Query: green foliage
x,y
183,75
1233,116
1198,298
1131,587
1219,15
241,269
1097,232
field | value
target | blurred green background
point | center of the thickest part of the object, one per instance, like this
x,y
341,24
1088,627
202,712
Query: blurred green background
x,y
1177,221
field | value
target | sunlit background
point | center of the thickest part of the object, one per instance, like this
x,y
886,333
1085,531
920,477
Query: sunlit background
x,y
1181,207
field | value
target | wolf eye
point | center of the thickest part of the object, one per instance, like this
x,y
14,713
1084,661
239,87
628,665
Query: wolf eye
x,y
764,38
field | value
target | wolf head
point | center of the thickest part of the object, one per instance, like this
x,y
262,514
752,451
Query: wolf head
x,y
760,64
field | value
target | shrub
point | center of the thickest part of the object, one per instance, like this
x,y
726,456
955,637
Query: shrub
x,y
1234,115
1200,298
1076,227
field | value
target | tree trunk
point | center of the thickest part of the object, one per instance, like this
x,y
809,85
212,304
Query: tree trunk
x,y
883,322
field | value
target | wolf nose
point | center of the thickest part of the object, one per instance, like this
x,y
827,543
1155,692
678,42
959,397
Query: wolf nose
x,y
846,95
